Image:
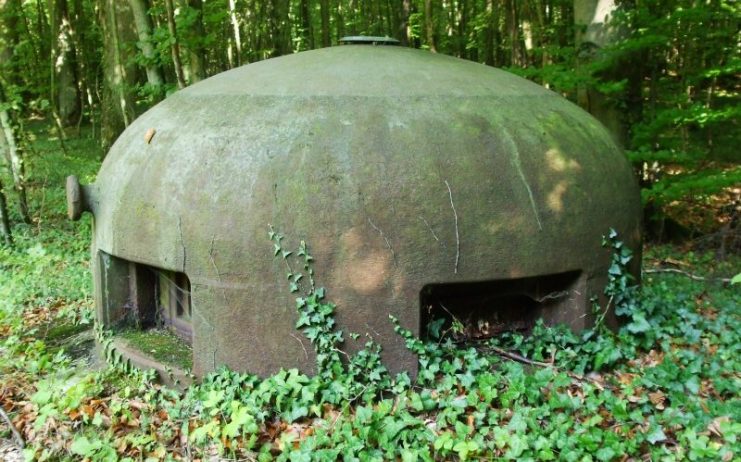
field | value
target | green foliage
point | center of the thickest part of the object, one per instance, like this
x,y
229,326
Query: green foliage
x,y
685,62
668,385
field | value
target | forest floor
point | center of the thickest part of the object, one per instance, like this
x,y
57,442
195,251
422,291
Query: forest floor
x,y
665,387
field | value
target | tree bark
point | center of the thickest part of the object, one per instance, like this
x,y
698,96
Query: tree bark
x,y
174,44
119,72
14,156
594,32
4,219
404,12
84,53
490,42
306,32
64,90
139,9
196,69
430,26
324,12
237,36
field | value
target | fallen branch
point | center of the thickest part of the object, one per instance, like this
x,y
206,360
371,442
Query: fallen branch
x,y
694,277
16,434
521,359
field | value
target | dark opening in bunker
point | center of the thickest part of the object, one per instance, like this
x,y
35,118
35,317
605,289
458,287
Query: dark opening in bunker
x,y
134,294
470,311
173,303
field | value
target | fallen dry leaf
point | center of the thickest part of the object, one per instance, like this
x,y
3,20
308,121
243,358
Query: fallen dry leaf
x,y
149,135
714,425
657,398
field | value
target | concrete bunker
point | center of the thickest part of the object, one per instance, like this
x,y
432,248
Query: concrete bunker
x,y
419,181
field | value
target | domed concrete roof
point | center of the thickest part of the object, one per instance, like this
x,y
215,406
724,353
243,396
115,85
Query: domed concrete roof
x,y
400,168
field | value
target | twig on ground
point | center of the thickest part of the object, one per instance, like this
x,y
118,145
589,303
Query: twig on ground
x,y
521,359
694,277
16,434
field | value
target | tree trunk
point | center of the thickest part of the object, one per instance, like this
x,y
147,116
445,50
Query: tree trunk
x,y
324,12
85,53
490,44
4,219
64,91
237,37
593,32
14,156
9,11
139,9
174,44
193,42
307,42
279,27
404,22
430,26
119,72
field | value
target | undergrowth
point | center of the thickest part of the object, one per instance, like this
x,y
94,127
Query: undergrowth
x,y
663,387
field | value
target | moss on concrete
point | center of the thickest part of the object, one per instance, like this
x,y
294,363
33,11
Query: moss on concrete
x,y
161,345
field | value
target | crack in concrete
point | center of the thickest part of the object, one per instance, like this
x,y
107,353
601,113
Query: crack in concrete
x,y
388,244
182,242
518,166
457,235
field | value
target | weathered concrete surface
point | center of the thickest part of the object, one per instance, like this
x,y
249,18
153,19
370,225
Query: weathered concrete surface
x,y
368,154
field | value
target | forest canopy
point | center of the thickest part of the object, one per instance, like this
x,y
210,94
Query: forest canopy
x,y
662,75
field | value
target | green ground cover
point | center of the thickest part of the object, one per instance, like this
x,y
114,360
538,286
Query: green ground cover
x,y
664,387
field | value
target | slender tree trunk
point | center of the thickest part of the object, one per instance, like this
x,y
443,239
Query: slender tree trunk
x,y
14,156
196,52
139,8
430,26
8,74
403,31
236,32
9,11
42,28
174,44
490,33
279,31
306,32
64,91
4,219
593,32
324,13
462,28
84,53
119,72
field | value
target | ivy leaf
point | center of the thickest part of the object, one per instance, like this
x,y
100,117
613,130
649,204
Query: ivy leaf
x,y
656,434
296,413
84,447
693,384
639,324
